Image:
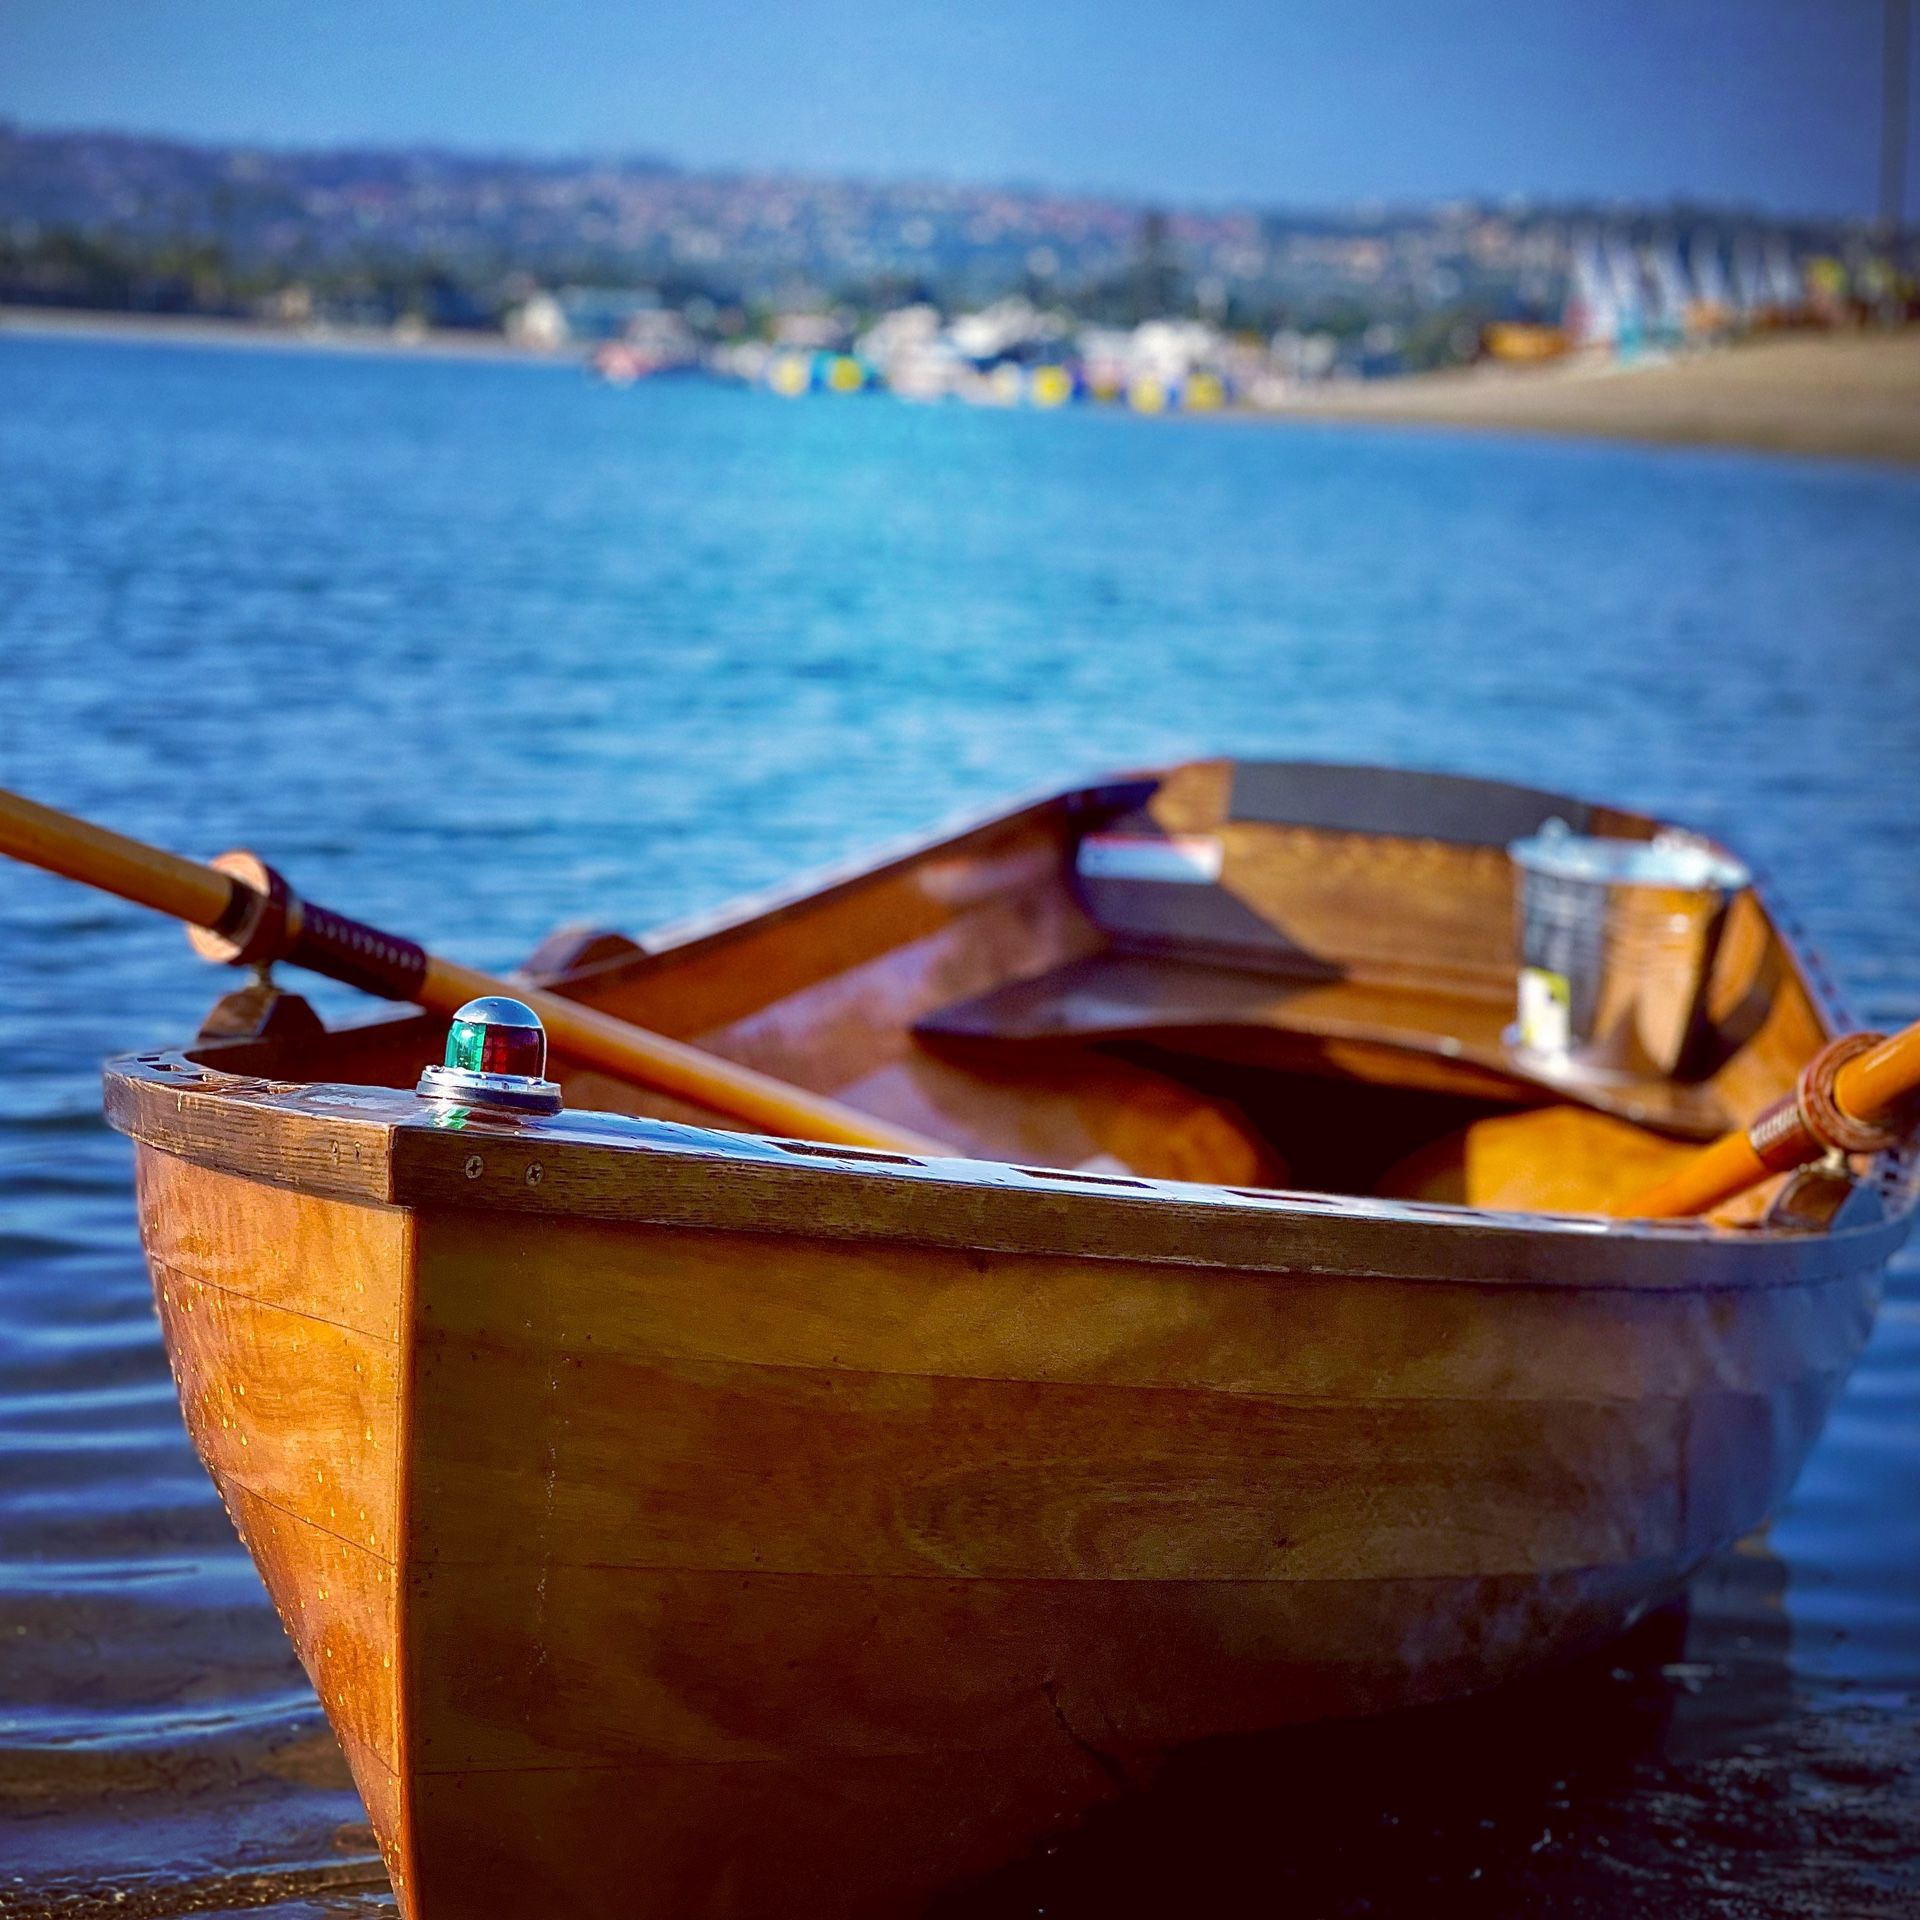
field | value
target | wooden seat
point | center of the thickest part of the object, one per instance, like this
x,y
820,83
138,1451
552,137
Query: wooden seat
x,y
1346,1027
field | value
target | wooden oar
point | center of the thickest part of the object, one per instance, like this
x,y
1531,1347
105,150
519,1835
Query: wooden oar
x,y
1854,1096
241,911
1858,1094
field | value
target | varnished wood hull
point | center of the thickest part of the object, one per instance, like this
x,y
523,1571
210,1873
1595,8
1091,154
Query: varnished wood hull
x,y
650,1568
674,1523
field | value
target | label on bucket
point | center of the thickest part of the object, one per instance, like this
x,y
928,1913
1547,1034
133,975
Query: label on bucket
x,y
1190,857
1546,1001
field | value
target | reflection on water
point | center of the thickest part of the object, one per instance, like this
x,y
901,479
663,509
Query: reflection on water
x,y
476,650
1675,1774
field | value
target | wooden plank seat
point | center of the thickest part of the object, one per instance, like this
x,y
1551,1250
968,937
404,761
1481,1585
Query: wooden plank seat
x,y
1350,1028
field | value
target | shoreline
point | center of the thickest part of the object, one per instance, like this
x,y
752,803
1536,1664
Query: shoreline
x,y
264,336
1852,396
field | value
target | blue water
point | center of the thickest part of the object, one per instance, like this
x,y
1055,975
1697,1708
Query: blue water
x,y
474,649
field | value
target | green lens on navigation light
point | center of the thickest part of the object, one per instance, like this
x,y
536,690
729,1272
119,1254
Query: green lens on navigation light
x,y
466,1045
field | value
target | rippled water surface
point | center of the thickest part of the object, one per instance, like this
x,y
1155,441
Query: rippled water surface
x,y
472,650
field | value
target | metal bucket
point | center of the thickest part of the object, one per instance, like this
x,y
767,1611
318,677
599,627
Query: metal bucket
x,y
1617,939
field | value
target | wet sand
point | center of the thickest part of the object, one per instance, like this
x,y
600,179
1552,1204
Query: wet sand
x,y
1849,396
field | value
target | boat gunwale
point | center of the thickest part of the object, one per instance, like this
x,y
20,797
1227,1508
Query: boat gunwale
x,y
382,1145
276,1130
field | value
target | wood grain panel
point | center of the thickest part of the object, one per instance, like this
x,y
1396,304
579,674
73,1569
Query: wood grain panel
x,y
524,1666
1064,1107
385,1796
1417,910
339,1605
1305,901
299,1411
329,1143
958,913
331,1259
528,1449
1787,1035
845,1024
1193,797
784,1299
855,1839
280,1312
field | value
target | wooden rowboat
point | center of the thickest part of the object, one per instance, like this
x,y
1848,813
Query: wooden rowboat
x,y
680,1521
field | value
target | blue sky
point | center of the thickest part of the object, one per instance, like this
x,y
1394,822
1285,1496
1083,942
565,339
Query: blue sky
x,y
1295,102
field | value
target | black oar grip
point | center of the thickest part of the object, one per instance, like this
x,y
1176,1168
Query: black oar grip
x,y
267,921
378,963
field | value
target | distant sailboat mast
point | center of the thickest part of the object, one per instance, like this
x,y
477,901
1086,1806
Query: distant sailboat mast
x,y
1672,292
1709,275
1623,264
1593,311
1749,277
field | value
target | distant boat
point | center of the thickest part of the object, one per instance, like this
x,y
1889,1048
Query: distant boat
x,y
1672,298
618,364
1786,290
1523,342
1751,291
1593,317
1713,297
1629,294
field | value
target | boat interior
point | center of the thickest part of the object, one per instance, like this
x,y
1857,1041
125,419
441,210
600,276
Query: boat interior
x,y
1269,975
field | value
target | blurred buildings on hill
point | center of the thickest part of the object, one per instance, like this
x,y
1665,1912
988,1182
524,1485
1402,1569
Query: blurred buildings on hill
x,y
925,288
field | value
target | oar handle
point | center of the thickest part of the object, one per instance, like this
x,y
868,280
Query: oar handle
x,y
270,922
1852,1097
1883,1076
244,913
98,857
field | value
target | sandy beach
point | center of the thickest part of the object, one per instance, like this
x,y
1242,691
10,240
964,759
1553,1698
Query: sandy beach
x,y
1851,396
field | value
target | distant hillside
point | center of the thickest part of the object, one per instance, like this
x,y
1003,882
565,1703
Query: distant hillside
x,y
112,220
